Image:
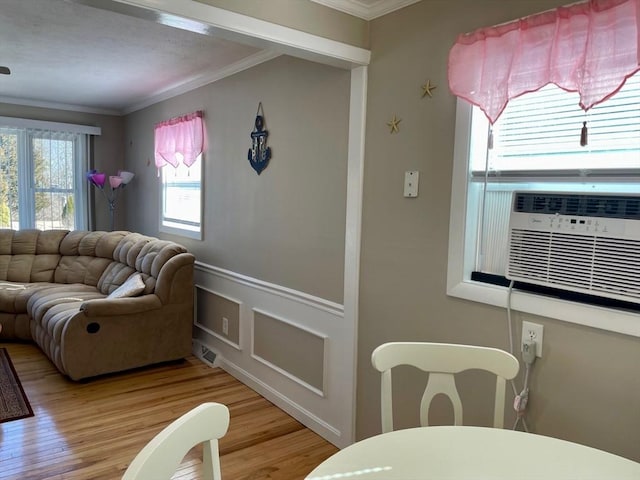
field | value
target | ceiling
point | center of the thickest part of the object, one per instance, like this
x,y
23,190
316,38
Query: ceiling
x,y
77,57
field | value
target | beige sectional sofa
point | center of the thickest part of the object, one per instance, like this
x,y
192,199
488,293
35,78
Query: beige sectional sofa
x,y
96,302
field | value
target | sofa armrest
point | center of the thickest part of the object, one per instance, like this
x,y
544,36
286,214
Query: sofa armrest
x,y
108,307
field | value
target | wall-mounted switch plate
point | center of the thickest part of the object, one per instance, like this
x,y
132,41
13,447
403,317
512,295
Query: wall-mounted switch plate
x,y
411,183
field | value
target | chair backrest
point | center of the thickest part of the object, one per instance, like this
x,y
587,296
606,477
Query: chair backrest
x,y
160,458
442,361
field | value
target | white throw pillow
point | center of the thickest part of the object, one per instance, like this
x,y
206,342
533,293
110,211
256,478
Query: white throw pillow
x,y
132,287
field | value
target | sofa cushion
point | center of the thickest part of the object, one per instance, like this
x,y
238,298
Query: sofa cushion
x,y
49,241
15,295
129,248
86,256
19,268
132,287
6,238
43,267
29,255
15,326
154,255
152,258
18,253
52,323
95,244
48,332
123,266
114,275
81,269
24,242
42,300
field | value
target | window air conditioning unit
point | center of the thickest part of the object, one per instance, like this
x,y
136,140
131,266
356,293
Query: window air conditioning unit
x,y
581,242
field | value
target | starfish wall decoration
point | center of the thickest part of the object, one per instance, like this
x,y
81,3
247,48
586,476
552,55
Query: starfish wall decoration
x,y
393,124
427,89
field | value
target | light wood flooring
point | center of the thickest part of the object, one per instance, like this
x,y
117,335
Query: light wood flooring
x,y
92,430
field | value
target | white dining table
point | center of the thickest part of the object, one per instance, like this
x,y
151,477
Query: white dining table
x,y
469,453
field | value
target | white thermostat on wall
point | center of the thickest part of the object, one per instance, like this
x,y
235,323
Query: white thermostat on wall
x,y
411,183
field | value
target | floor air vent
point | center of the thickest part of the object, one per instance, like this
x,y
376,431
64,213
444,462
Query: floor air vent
x,y
208,355
554,242
205,354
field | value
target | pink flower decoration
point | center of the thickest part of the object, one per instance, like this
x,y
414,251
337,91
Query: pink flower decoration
x,y
115,181
98,179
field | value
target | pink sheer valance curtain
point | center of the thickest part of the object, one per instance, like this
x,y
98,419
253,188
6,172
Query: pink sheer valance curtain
x,y
183,135
589,47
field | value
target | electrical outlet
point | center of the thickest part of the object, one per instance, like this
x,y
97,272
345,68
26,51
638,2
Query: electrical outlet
x,y
535,332
225,326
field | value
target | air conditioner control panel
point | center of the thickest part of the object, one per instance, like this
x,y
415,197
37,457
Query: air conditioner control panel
x,y
572,224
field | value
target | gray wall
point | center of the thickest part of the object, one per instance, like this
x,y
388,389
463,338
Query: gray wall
x,y
287,225
586,388
108,149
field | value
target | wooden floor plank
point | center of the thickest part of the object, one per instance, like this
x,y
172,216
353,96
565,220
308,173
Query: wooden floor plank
x,y
93,429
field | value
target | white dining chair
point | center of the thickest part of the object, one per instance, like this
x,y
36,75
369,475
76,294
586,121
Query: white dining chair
x,y
442,361
160,458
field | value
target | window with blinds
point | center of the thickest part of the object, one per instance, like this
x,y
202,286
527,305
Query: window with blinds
x,y
539,134
535,145
41,179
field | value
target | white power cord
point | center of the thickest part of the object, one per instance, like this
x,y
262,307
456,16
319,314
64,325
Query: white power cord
x,y
529,356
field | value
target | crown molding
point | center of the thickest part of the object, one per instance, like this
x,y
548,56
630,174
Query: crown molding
x,y
58,106
366,10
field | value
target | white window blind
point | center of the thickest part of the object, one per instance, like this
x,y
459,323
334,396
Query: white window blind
x,y
539,134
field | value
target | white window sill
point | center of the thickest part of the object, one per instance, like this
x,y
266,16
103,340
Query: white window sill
x,y
181,232
609,319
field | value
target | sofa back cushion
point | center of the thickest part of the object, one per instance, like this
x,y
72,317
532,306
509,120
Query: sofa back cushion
x,y
86,256
124,263
30,255
138,253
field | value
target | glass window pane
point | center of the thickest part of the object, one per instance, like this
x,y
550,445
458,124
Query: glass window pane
x,y
181,196
53,166
9,213
53,161
54,210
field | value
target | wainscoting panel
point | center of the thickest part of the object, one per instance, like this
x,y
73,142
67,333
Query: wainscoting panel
x,y
291,347
294,351
218,315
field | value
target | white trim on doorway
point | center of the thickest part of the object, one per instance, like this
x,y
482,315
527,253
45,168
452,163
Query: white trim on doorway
x,y
197,16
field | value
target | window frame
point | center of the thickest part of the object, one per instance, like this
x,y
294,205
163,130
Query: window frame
x,y
25,131
461,256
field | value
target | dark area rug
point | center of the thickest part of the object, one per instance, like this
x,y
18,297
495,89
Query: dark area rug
x,y
13,402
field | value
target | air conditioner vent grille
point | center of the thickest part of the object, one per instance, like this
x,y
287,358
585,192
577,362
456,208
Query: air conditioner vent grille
x,y
600,265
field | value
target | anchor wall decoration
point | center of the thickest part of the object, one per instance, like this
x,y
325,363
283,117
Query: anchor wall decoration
x,y
259,154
